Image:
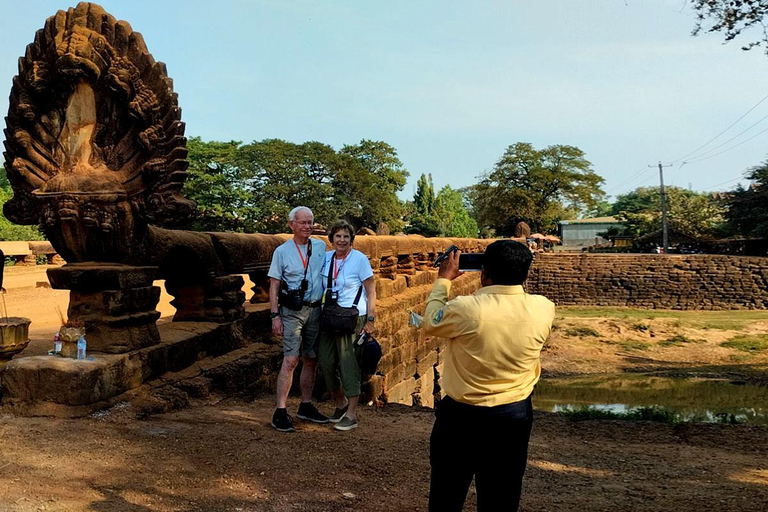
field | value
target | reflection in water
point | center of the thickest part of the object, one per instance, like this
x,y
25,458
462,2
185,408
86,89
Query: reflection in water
x,y
689,399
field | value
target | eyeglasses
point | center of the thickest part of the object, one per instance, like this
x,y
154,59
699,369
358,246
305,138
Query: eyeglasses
x,y
303,222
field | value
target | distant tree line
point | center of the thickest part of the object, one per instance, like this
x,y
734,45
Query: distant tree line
x,y
252,187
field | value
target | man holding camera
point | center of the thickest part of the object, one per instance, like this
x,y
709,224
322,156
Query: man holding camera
x,y
491,365
295,292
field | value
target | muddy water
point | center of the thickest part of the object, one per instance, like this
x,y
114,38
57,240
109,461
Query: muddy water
x,y
689,399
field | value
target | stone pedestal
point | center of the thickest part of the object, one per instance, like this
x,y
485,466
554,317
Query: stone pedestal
x,y
219,300
115,302
260,288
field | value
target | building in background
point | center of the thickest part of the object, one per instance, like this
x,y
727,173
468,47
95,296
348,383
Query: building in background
x,y
578,233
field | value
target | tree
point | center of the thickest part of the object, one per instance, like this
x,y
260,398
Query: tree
x,y
538,187
732,17
252,187
8,230
452,216
693,213
421,212
371,186
747,209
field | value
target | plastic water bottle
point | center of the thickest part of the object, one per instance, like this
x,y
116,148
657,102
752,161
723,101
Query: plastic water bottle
x,y
81,348
56,344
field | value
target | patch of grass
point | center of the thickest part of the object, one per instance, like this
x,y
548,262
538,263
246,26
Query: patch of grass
x,y
747,342
640,326
722,320
740,358
656,414
634,345
678,340
581,330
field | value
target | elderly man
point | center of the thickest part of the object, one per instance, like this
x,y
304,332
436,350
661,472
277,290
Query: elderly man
x,y
295,291
494,338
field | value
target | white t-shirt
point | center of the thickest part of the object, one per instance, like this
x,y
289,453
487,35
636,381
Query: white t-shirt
x,y
287,266
352,271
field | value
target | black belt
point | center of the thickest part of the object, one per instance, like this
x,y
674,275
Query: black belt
x,y
308,304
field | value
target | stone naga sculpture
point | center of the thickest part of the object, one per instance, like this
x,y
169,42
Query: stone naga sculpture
x,y
96,155
95,147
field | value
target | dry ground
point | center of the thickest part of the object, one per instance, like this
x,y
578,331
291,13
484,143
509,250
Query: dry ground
x,y
222,455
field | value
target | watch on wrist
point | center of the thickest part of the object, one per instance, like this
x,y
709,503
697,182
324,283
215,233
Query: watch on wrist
x,y
274,315
371,318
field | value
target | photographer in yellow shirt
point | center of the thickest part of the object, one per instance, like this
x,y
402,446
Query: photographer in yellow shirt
x,y
491,365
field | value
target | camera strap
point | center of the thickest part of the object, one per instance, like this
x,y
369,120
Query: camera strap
x,y
329,288
283,284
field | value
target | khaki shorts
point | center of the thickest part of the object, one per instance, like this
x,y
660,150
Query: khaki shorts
x,y
300,330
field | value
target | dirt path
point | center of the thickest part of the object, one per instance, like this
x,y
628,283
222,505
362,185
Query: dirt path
x,y
224,457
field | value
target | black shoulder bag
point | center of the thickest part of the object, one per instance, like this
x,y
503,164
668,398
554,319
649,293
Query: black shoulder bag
x,y
335,318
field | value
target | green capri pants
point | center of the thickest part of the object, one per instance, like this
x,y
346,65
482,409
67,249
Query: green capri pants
x,y
339,357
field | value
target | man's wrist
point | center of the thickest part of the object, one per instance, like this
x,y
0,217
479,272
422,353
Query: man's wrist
x,y
371,318
273,314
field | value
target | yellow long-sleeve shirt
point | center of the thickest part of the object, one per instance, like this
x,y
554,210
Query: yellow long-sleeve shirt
x,y
494,341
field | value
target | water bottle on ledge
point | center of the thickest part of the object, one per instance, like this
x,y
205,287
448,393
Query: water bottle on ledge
x,y
57,344
81,348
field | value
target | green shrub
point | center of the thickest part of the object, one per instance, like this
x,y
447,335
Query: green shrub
x,y
582,330
748,342
634,345
652,413
677,340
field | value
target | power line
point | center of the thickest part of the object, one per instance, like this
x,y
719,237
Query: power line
x,y
724,183
722,132
734,137
727,149
630,179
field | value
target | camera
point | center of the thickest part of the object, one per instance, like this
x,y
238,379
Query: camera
x,y
471,262
293,299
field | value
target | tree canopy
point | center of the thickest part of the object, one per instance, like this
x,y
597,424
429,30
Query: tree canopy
x,y
538,186
747,209
732,18
693,213
252,187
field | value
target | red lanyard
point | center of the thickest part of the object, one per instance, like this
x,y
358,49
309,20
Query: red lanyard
x,y
337,268
304,260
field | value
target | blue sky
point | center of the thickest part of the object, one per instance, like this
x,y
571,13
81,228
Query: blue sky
x,y
451,84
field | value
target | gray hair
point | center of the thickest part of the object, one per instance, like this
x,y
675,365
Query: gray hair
x,y
292,213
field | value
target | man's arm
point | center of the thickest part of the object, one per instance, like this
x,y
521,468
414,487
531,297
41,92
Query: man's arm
x,y
444,318
274,289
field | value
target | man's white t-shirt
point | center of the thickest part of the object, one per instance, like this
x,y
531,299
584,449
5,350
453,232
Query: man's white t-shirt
x,y
352,271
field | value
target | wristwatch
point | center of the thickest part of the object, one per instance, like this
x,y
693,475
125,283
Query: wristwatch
x,y
371,318
274,315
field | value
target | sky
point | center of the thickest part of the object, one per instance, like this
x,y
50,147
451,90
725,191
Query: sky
x,y
451,84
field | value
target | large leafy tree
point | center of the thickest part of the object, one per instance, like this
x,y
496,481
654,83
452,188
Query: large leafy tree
x,y
690,212
453,219
373,174
421,212
252,187
538,186
747,209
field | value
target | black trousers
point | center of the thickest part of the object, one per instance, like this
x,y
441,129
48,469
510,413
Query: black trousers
x,y
489,443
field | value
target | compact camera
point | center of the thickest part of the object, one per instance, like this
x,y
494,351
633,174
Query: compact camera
x,y
467,262
293,299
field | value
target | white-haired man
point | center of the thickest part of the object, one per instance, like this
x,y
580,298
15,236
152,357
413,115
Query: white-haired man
x,y
295,292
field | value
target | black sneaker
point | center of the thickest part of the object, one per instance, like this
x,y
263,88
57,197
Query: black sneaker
x,y
338,414
307,411
282,421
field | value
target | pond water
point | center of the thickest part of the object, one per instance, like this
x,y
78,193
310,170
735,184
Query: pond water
x,y
689,399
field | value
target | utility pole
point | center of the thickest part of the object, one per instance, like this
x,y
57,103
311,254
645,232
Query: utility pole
x,y
664,231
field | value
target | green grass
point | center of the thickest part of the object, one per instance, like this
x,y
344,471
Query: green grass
x,y
678,340
581,330
640,326
748,342
656,414
634,345
724,320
